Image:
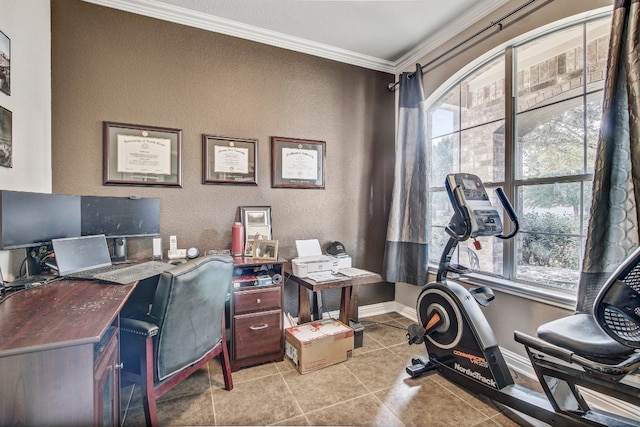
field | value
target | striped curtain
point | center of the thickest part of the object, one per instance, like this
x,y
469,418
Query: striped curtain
x,y
406,251
614,228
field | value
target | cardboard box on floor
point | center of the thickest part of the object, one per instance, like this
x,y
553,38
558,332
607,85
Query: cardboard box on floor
x,y
318,344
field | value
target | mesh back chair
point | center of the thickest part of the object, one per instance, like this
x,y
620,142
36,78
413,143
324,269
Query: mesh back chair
x,y
184,329
594,351
617,306
610,333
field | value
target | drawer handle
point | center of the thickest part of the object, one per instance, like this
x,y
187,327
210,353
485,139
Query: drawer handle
x,y
257,328
258,300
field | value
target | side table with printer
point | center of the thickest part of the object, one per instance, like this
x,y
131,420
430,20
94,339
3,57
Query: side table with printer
x,y
316,272
348,298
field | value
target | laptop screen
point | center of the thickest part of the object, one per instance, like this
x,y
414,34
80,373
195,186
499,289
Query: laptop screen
x,y
76,254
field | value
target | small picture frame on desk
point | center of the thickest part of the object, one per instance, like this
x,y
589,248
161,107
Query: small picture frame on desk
x,y
257,225
265,250
255,233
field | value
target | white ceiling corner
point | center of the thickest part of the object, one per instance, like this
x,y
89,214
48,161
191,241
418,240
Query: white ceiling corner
x,y
382,35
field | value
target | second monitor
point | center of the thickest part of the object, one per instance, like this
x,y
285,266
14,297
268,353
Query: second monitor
x,y
119,218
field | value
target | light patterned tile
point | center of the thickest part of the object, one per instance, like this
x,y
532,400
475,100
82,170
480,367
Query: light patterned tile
x,y
241,375
192,410
295,421
387,332
377,369
197,383
409,352
422,402
324,387
371,388
362,411
481,403
266,400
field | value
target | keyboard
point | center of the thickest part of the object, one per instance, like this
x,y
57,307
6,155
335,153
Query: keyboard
x,y
325,276
132,273
353,272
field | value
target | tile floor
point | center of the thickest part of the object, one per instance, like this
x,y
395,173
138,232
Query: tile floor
x,y
370,389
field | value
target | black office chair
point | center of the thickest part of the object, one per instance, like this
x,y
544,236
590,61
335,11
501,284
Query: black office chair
x,y
183,330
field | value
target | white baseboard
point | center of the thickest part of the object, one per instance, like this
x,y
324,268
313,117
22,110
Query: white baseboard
x,y
370,310
377,309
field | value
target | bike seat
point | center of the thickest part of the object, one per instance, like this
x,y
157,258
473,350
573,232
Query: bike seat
x,y
613,330
581,334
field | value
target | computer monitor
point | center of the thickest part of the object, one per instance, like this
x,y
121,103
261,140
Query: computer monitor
x,y
34,219
117,217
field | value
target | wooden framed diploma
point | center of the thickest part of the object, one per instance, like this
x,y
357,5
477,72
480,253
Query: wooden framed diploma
x,y
141,155
229,160
297,163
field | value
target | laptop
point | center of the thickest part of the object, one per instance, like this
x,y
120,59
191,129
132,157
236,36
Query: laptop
x,y
88,257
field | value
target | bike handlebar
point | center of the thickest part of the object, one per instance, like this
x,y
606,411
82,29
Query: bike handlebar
x,y
511,213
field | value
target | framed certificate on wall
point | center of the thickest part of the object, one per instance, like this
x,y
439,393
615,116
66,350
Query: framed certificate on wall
x,y
297,163
141,155
229,160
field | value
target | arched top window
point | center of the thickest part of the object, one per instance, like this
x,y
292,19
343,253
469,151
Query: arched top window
x,y
526,119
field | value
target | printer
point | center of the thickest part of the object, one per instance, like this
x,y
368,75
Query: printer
x,y
310,259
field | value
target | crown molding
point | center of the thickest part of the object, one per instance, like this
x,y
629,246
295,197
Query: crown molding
x,y
194,19
462,22
170,13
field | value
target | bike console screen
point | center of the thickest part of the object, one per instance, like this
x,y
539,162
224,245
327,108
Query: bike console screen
x,y
468,195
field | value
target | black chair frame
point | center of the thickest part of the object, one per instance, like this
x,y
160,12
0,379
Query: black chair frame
x,y
140,335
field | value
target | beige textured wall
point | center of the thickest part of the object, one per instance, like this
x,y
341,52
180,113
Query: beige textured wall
x,y
109,65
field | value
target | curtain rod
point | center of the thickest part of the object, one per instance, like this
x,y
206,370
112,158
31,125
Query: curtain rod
x,y
392,86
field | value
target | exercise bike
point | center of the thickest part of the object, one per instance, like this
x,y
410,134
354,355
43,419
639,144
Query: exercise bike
x,y
594,351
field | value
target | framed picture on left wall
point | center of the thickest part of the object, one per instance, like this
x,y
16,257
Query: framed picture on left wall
x,y
5,64
6,144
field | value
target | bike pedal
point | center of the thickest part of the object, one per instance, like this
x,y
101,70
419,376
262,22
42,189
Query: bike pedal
x,y
415,334
418,369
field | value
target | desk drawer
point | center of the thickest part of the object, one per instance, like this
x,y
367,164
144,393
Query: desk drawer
x,y
250,300
257,334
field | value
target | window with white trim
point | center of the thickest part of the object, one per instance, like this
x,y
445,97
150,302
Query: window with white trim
x,y
527,120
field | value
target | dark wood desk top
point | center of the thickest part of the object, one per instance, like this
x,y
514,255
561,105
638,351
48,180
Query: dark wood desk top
x,y
338,283
59,314
249,261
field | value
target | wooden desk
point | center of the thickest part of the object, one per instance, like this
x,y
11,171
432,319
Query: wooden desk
x,y
348,298
59,354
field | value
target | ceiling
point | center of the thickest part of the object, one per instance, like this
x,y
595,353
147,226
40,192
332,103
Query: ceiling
x,y
384,35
